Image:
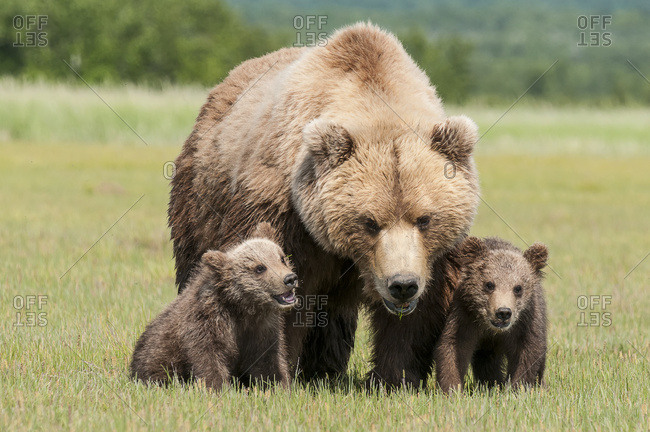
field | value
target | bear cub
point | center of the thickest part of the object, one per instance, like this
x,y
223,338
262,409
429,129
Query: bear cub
x,y
227,323
497,313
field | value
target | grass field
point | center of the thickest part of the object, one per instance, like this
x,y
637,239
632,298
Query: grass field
x,y
575,178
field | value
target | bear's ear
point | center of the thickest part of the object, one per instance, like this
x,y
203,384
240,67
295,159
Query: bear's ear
x,y
537,255
468,251
328,142
265,230
455,138
215,259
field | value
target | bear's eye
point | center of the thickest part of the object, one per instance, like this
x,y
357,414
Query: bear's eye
x,y
372,226
489,286
518,289
282,260
260,269
423,222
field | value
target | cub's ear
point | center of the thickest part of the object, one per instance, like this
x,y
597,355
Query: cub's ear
x,y
215,259
329,143
455,138
537,255
468,250
265,230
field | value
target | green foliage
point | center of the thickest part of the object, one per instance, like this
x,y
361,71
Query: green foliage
x,y
512,43
485,51
446,62
152,41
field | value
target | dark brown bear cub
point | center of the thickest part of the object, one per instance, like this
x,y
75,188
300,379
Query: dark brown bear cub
x,y
498,313
227,323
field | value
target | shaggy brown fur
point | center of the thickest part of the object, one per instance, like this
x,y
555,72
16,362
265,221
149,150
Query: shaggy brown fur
x,y
498,312
410,340
227,323
346,149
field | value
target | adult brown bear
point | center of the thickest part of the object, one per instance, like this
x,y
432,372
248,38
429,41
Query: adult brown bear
x,y
347,151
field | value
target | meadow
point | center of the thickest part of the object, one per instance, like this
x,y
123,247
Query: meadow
x,y
86,262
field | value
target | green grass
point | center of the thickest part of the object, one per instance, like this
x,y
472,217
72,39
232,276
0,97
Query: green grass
x,y
59,113
574,179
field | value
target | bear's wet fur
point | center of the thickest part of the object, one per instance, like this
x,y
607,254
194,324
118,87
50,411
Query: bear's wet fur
x,y
227,325
497,316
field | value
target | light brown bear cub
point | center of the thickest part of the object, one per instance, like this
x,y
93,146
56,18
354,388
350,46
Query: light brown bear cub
x,y
227,323
498,312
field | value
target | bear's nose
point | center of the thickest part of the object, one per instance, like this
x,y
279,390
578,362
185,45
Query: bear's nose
x,y
503,313
403,288
291,279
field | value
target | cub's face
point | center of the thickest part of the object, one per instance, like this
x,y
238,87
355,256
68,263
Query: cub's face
x,y
255,273
499,283
503,289
389,199
262,272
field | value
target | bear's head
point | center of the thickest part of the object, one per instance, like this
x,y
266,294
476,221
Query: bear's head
x,y
498,280
254,273
389,198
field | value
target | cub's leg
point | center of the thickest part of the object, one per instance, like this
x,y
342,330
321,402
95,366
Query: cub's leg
x,y
210,353
527,358
526,363
157,356
266,367
213,372
488,366
454,351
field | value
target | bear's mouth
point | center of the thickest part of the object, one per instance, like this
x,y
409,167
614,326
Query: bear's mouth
x,y
402,308
501,325
286,298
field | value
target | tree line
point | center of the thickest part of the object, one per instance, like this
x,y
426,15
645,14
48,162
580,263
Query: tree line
x,y
159,42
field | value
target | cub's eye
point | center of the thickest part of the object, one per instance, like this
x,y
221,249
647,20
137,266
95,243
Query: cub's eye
x,y
282,260
423,222
372,226
260,269
489,286
518,289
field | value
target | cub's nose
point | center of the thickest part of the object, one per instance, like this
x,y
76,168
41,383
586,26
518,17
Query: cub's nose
x,y
290,280
403,287
503,313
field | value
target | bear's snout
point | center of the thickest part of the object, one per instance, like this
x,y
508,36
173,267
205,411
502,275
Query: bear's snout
x,y
503,313
502,317
290,280
403,287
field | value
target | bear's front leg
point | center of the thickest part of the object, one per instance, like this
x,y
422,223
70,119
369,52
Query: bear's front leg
x,y
402,349
328,344
266,365
488,365
403,346
272,367
331,323
454,351
206,356
527,361
212,370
